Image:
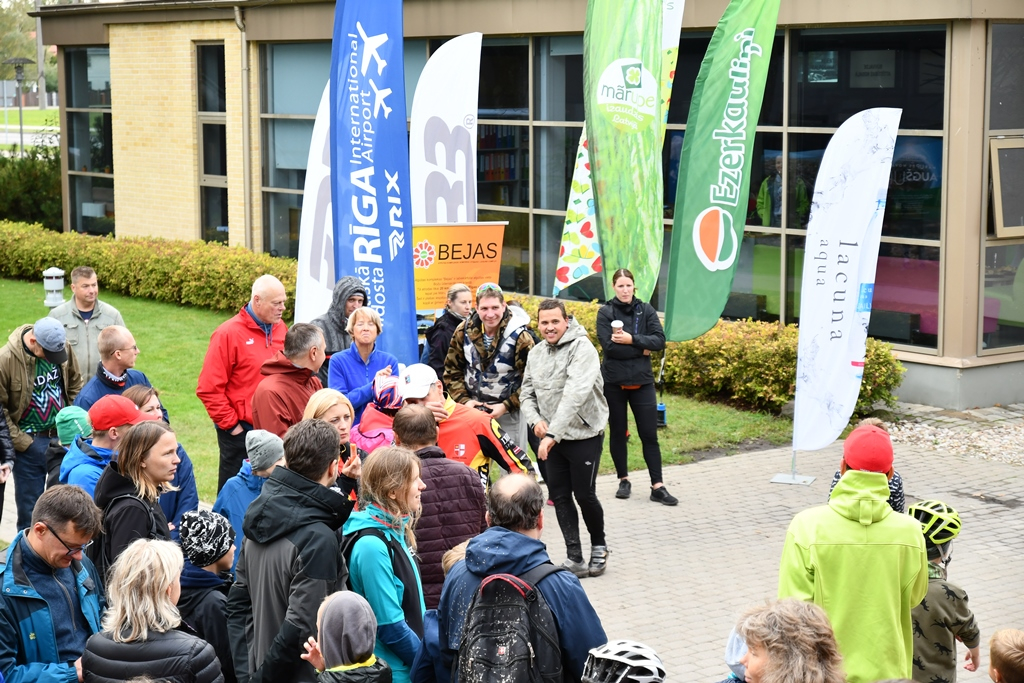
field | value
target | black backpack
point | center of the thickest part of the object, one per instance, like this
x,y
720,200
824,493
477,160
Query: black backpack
x,y
509,633
99,552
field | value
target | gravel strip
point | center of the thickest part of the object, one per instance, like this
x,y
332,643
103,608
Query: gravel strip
x,y
1001,443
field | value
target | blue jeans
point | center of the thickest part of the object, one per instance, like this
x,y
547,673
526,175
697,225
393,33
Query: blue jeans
x,y
30,478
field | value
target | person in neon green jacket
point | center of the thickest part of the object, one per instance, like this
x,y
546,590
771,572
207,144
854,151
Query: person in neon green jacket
x,y
861,562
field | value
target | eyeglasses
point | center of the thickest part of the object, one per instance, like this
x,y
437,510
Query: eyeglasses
x,y
133,347
488,287
71,550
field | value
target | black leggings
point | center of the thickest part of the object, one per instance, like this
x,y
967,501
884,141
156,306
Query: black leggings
x,y
644,403
572,471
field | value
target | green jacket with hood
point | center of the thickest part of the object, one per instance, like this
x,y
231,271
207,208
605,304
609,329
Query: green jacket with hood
x,y
866,566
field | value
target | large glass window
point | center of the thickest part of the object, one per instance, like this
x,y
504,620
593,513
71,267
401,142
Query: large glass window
x,y
514,275
90,140
555,149
294,76
837,72
558,78
1002,296
503,165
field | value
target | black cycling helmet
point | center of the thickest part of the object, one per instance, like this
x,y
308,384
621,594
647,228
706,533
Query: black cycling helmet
x,y
623,661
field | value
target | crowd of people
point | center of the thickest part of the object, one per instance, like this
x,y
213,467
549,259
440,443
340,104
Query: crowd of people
x,y
360,532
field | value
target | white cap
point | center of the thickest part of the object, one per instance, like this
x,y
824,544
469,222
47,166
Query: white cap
x,y
416,381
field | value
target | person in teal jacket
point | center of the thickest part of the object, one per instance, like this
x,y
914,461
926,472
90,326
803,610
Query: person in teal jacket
x,y
51,600
389,500
861,562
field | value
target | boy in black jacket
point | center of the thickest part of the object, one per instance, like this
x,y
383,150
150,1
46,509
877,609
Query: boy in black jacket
x,y
208,542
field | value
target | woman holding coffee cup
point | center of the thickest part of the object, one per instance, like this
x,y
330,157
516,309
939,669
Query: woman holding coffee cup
x,y
629,330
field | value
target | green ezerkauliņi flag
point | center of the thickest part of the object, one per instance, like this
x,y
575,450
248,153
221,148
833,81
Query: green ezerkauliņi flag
x,y
714,167
621,68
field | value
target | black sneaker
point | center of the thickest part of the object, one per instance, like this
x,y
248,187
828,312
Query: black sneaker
x,y
625,488
661,495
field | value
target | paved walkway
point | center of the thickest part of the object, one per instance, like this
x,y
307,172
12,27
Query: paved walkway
x,y
968,420
679,577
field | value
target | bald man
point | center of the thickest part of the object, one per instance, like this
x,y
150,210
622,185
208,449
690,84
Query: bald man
x,y
231,370
115,372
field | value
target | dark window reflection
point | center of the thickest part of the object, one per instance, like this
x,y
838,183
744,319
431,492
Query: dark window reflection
x,y
211,77
1006,101
913,204
692,47
214,210
756,286
835,73
504,81
514,275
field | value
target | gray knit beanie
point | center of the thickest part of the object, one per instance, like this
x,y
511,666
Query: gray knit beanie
x,y
263,449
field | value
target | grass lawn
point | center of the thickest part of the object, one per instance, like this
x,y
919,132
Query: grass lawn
x,y
699,426
173,340
33,117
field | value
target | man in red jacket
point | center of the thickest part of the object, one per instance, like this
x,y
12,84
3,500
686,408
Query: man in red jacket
x,y
232,367
289,379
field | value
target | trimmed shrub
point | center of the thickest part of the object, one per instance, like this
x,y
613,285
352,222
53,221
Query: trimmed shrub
x,y
752,363
30,187
195,273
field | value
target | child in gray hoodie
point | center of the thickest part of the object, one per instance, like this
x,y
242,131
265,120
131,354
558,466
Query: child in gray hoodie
x,y
343,651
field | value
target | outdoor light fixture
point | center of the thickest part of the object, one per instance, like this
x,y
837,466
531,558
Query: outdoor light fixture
x,y
53,285
19,75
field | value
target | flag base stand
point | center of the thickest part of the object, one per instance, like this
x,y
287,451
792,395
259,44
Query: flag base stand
x,y
800,479
792,477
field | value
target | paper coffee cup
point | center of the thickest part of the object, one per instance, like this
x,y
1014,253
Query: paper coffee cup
x,y
616,325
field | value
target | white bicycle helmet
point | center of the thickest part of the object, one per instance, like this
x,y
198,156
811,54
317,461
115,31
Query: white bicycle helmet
x,y
623,661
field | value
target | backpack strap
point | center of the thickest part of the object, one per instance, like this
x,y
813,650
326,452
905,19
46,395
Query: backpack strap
x,y
541,572
401,567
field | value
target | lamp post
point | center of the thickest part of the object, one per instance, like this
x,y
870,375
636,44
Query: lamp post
x,y
19,76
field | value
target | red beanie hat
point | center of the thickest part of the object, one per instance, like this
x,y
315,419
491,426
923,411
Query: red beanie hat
x,y
868,449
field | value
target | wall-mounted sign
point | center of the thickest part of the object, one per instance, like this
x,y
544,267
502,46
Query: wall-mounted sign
x,y
873,68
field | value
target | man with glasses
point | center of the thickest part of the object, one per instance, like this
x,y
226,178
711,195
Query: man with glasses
x,y
231,370
50,601
116,370
85,316
487,357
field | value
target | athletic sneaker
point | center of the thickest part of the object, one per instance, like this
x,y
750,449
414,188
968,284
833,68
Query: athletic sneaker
x,y
580,569
625,488
661,495
598,560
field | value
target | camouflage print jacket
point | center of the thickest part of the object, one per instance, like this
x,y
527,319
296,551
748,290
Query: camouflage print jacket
x,y
472,372
941,618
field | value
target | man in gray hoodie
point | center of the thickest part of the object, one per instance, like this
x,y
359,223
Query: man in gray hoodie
x,y
563,397
349,294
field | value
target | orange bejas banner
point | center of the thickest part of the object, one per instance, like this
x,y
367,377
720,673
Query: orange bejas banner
x,y
445,254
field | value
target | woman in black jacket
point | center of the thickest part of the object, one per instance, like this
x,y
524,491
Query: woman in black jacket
x,y
129,490
629,330
439,336
142,631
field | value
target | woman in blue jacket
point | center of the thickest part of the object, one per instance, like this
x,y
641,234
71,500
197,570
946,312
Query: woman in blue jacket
x,y
353,370
389,501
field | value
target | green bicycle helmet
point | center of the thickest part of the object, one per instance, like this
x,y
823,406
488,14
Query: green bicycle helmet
x,y
939,522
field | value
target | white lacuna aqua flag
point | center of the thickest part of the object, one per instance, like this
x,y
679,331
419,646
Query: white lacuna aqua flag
x,y
314,284
442,134
839,274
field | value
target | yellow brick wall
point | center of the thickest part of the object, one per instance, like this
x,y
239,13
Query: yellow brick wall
x,y
156,133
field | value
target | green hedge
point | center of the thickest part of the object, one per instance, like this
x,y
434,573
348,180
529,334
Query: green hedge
x,y
195,273
753,363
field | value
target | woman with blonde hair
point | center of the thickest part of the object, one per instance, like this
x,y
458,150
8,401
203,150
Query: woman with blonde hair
x,y
143,634
129,490
790,641
334,408
378,549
